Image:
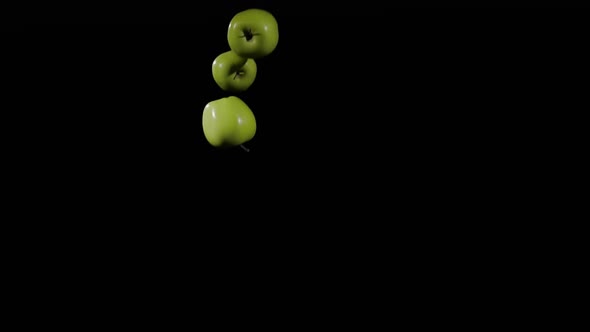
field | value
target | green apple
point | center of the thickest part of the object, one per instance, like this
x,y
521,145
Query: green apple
x,y
253,33
228,122
233,72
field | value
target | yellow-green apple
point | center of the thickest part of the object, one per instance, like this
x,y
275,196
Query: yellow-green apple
x,y
228,122
253,33
232,72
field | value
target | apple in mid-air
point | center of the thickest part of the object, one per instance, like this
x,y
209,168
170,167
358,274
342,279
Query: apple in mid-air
x,y
233,73
253,33
228,122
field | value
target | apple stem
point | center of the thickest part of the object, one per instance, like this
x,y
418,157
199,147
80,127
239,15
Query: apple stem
x,y
238,74
248,34
245,148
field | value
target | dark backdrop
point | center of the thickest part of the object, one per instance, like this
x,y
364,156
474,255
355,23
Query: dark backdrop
x,y
393,143
341,89
352,99
414,100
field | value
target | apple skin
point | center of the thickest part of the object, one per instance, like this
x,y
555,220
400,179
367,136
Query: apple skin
x,y
228,122
258,24
233,73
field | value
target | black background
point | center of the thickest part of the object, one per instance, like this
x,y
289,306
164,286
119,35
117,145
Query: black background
x,y
385,105
390,138
357,92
